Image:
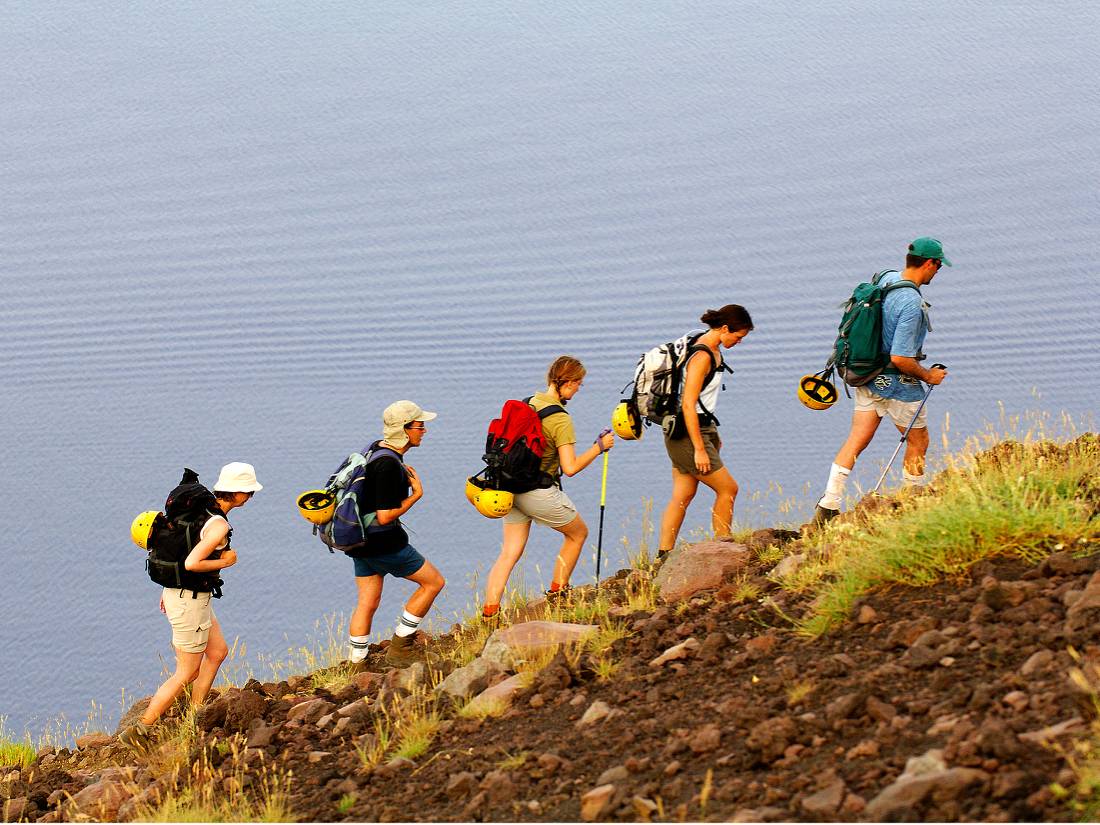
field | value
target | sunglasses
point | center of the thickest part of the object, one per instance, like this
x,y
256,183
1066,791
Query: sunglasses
x,y
419,429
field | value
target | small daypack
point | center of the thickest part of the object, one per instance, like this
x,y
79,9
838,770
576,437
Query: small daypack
x,y
349,528
658,378
175,533
857,353
514,448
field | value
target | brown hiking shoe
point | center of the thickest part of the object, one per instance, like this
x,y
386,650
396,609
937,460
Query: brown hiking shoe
x,y
563,594
137,737
404,651
823,514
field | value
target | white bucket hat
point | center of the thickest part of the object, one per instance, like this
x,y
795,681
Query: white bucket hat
x,y
397,416
237,477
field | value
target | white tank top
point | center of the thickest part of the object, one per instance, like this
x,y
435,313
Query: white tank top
x,y
708,396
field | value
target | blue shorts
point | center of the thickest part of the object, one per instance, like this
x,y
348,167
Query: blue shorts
x,y
402,563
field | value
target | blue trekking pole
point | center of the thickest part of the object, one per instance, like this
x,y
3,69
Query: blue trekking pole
x,y
905,435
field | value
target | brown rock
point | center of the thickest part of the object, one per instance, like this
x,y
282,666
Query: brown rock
x,y
696,567
15,809
552,763
867,615
1037,662
311,710
242,706
367,681
902,797
644,807
771,737
100,800
261,735
618,773
683,650
904,634
471,679
513,645
847,706
763,645
826,802
880,711
460,785
596,801
1085,611
498,787
94,740
705,738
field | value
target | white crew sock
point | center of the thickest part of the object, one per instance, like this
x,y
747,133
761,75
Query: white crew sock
x,y
912,480
834,489
358,648
408,624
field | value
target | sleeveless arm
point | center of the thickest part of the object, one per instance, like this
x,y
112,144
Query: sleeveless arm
x,y
696,372
197,560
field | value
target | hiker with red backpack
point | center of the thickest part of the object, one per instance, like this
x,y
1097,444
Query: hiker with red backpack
x,y
538,496
691,432
892,386
188,546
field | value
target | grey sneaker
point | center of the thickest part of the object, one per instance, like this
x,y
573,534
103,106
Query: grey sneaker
x,y
137,737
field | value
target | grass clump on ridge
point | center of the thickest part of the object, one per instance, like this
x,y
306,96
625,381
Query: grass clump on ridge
x,y
1014,499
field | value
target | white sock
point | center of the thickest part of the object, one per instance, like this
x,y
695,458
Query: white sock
x,y
358,645
834,489
408,624
914,481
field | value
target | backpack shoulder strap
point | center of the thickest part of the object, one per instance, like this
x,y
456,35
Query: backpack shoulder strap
x,y
546,411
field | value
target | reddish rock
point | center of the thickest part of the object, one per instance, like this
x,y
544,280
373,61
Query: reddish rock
x,y
762,645
705,738
826,802
100,800
596,802
771,737
696,567
908,791
94,740
513,645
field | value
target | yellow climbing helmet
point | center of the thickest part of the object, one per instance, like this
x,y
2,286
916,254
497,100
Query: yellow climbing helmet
x,y
317,506
816,392
142,527
625,422
494,503
487,501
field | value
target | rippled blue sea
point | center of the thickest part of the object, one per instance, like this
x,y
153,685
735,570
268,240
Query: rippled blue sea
x,y
238,231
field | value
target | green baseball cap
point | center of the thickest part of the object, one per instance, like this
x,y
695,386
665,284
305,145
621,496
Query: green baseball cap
x,y
928,248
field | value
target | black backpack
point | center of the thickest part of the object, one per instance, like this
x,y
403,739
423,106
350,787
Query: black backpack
x,y
176,532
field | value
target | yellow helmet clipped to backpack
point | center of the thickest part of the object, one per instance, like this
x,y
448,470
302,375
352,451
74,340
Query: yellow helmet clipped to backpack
x,y
317,506
142,527
625,422
816,392
494,503
489,502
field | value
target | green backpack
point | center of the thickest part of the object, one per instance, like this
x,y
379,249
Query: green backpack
x,y
857,353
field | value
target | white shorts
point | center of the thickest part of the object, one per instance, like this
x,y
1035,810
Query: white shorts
x,y
191,618
549,506
900,412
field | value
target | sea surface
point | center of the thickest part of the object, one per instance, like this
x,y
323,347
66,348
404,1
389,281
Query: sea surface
x,y
236,232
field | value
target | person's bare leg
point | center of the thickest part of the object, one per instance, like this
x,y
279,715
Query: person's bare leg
x,y
684,486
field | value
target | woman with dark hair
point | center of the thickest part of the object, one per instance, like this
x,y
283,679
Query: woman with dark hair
x,y
693,446
549,505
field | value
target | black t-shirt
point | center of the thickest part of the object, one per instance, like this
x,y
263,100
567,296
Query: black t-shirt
x,y
385,488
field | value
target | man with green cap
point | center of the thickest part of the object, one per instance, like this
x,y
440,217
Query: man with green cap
x,y
897,391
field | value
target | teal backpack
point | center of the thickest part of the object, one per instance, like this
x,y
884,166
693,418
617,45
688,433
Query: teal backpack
x,y
857,353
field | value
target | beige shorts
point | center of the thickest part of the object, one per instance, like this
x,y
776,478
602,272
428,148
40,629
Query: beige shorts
x,y
682,453
549,506
900,412
191,619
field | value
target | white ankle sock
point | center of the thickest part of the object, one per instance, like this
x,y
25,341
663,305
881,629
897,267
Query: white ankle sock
x,y
914,481
358,648
407,624
834,489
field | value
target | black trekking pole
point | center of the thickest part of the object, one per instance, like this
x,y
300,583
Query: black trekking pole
x,y
905,435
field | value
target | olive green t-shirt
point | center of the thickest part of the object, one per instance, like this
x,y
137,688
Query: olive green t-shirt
x,y
557,429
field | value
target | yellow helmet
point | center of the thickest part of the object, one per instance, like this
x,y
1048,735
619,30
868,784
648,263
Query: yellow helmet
x,y
474,486
494,503
625,422
816,393
142,527
317,506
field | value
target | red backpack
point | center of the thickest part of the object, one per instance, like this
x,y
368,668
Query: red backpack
x,y
514,448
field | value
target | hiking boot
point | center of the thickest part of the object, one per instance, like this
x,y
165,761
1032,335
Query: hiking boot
x,y
564,594
137,737
491,622
362,666
823,514
404,651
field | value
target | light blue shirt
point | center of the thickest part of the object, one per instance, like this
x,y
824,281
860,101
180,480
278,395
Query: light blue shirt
x,y
904,328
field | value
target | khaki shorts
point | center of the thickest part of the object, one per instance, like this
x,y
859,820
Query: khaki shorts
x,y
900,412
191,619
549,506
682,453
